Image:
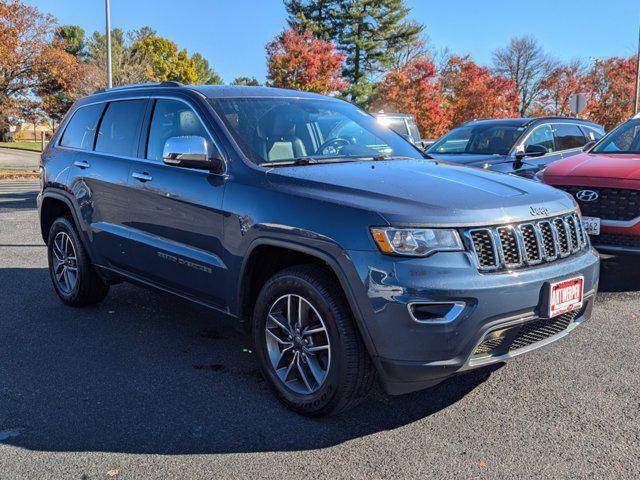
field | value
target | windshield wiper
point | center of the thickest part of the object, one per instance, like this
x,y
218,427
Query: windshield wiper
x,y
287,163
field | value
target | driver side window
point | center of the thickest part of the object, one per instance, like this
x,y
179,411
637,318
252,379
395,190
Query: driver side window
x,y
542,136
171,118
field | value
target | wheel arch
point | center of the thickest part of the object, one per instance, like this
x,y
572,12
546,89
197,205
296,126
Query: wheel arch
x,y
248,288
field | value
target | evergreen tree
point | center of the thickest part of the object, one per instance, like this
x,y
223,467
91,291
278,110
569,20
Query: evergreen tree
x,y
368,32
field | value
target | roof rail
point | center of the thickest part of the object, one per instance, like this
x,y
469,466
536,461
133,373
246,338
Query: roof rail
x,y
140,85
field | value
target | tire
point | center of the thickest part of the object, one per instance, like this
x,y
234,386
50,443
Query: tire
x,y
64,244
342,374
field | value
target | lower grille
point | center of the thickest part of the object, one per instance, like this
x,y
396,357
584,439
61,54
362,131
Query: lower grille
x,y
507,340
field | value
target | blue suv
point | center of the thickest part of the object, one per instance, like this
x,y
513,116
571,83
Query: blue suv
x,y
346,253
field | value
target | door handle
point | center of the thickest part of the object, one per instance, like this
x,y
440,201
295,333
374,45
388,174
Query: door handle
x,y
143,177
81,164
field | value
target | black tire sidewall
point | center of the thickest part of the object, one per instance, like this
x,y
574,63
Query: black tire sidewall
x,y
62,224
314,403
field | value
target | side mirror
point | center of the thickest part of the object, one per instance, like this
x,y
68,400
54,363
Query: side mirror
x,y
408,138
588,146
535,151
192,151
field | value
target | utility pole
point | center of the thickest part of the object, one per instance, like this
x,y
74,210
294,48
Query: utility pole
x,y
637,93
108,40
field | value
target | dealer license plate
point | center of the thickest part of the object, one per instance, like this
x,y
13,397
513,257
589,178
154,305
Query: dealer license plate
x,y
565,296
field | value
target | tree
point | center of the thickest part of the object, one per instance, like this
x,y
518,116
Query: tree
x,y
297,60
561,83
73,38
247,81
29,58
165,61
129,65
526,63
416,90
368,32
205,75
473,92
411,51
610,84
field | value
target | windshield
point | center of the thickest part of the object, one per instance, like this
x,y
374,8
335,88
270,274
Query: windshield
x,y
624,139
484,139
284,129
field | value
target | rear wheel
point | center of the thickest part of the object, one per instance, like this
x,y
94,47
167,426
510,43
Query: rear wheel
x,y
74,278
307,344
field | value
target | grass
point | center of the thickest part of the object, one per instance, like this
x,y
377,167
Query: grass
x,y
22,145
6,174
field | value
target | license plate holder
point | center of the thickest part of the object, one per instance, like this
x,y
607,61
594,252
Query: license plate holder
x,y
591,225
565,296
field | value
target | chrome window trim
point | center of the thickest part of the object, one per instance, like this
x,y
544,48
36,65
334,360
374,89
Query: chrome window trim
x,y
141,97
520,144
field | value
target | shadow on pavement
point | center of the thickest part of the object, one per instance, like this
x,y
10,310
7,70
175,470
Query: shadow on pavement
x,y
620,274
147,373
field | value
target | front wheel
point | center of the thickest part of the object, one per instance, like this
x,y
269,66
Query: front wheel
x,y
307,344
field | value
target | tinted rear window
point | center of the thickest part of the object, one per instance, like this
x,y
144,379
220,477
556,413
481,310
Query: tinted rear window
x,y
118,132
81,130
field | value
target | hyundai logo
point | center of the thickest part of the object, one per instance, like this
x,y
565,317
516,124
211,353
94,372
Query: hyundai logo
x,y
587,195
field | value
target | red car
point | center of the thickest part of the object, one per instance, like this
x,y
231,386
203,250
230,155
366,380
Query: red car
x,y
605,181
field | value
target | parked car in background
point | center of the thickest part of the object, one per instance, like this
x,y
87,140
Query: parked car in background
x,y
405,125
521,146
344,251
605,181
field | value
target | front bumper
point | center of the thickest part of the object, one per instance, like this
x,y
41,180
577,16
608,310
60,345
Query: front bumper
x,y
411,355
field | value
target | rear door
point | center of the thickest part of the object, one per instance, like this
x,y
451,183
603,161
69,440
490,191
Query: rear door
x,y
101,152
176,216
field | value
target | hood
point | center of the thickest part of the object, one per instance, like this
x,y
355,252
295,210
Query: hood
x,y
424,192
471,159
605,169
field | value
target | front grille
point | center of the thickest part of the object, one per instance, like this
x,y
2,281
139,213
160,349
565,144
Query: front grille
x,y
526,244
616,240
611,204
510,339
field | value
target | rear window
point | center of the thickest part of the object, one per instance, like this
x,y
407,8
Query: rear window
x,y
118,134
81,130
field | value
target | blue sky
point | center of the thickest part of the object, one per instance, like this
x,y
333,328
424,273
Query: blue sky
x,y
232,34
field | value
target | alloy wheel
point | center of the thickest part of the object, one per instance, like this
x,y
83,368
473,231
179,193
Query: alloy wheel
x,y
298,344
65,263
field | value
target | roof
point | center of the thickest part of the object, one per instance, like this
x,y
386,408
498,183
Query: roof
x,y
229,91
390,114
217,91
528,120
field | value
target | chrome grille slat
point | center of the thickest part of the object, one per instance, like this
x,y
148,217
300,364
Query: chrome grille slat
x,y
526,244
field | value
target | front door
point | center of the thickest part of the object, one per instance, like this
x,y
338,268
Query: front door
x,y
175,213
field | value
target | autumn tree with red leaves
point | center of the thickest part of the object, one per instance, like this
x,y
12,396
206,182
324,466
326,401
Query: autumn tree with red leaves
x,y
415,89
473,92
297,60
32,63
563,82
610,84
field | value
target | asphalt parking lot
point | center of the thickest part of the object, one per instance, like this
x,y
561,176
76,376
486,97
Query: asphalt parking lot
x,y
148,386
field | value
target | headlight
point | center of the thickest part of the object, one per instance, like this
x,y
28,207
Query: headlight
x,y
539,176
416,242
